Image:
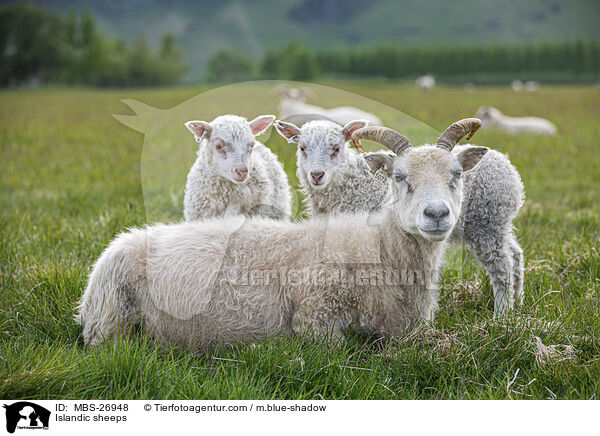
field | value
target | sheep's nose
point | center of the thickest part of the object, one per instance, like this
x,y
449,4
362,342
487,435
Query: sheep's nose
x,y
436,211
241,173
317,176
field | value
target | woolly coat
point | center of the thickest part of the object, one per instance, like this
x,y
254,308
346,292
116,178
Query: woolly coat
x,y
220,281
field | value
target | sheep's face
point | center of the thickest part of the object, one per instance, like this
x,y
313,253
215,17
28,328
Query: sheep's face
x,y
427,187
230,140
322,148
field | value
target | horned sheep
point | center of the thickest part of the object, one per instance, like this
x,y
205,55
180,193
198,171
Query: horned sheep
x,y
492,118
336,179
234,173
174,280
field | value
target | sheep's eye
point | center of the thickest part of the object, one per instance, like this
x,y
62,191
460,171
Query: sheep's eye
x,y
336,150
399,178
220,147
303,149
457,174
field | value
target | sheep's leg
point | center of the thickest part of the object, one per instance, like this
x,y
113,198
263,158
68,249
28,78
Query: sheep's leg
x,y
495,256
517,275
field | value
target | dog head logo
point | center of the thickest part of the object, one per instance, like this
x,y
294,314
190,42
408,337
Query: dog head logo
x,y
26,415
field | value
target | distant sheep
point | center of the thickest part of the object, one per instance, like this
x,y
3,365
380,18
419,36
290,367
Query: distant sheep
x,y
293,102
425,82
234,173
531,85
178,281
517,85
336,179
492,118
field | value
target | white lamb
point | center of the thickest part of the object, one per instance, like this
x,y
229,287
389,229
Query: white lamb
x,y
234,173
293,102
336,179
492,118
179,282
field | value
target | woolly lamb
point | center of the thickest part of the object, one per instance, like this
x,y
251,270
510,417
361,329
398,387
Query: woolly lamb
x,y
293,102
234,173
492,118
336,179
179,283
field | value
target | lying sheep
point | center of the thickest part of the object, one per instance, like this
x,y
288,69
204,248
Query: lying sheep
x,y
178,281
234,173
293,102
492,118
336,179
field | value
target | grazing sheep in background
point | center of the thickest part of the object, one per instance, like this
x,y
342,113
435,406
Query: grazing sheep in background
x,y
293,102
492,118
336,179
425,82
531,85
516,85
177,281
234,173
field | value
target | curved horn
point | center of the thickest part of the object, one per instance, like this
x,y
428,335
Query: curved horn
x,y
456,131
385,136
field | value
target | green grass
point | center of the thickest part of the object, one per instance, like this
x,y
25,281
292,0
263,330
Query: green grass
x,y
71,181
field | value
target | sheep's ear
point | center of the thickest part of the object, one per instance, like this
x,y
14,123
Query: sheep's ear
x,y
380,160
288,130
199,128
470,156
261,123
353,126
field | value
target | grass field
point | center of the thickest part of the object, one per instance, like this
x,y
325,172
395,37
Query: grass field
x,y
71,181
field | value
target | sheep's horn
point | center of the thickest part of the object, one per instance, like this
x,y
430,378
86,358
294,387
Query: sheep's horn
x,y
456,131
384,135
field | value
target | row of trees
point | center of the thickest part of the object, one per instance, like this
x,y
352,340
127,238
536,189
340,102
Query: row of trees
x,y
38,46
296,61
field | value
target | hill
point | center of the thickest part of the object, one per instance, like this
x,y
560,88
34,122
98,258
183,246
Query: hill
x,y
202,27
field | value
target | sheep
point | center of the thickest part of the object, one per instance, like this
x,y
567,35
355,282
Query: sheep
x,y
293,102
336,179
333,177
235,279
425,82
517,85
492,118
234,173
531,85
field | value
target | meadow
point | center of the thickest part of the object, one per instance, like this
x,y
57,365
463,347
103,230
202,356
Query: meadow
x,y
71,179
